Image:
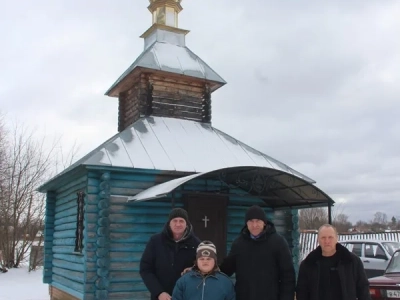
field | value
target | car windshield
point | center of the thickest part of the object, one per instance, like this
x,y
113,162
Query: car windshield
x,y
391,247
394,265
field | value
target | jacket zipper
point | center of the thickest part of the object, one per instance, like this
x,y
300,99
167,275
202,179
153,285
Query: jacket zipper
x,y
202,294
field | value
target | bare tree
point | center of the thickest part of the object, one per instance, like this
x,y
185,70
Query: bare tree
x,y
342,223
29,162
312,218
380,218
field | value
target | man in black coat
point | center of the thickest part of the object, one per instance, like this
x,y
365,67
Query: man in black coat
x,y
261,260
331,272
167,254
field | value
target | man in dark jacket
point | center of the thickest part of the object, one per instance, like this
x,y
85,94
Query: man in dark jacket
x,y
167,254
261,260
331,272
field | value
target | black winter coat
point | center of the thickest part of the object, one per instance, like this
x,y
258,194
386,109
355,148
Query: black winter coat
x,y
163,260
263,267
353,280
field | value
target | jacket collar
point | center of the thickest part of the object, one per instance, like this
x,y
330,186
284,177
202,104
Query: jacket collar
x,y
168,233
343,253
268,229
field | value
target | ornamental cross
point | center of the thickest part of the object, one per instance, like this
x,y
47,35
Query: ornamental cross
x,y
205,221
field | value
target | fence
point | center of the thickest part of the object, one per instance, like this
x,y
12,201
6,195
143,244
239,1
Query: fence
x,y
309,240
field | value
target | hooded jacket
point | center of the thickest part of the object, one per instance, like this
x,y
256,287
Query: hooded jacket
x,y
164,259
353,280
195,286
263,266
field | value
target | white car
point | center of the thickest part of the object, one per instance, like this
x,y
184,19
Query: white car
x,y
375,254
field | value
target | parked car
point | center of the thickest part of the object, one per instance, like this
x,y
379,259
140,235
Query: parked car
x,y
374,254
387,286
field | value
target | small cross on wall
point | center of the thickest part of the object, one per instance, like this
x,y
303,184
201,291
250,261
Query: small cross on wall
x,y
205,220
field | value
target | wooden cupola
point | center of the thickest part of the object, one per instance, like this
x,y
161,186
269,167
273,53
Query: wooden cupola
x,y
167,79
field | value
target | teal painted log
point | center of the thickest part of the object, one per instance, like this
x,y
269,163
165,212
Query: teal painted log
x,y
65,234
68,205
77,259
125,191
130,184
103,204
93,190
137,210
136,227
141,295
65,226
102,295
127,247
91,277
65,220
134,177
72,185
71,275
66,213
91,208
68,265
63,249
64,242
102,283
129,238
125,276
121,218
73,285
125,256
115,266
93,174
92,199
77,286
126,286
93,181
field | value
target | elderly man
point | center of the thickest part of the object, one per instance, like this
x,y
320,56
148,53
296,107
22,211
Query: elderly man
x,y
261,260
331,272
167,254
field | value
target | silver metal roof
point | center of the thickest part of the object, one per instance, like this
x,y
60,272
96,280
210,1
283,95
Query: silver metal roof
x,y
166,51
276,188
171,144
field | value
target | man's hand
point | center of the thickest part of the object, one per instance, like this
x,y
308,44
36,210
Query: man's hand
x,y
164,296
186,270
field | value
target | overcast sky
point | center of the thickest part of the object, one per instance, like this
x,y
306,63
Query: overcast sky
x,y
314,84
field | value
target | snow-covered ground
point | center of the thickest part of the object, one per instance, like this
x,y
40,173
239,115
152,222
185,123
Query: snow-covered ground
x,y
19,284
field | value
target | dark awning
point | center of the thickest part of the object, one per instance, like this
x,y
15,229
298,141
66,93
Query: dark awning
x,y
276,188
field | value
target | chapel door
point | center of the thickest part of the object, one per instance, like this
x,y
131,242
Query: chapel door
x,y
208,215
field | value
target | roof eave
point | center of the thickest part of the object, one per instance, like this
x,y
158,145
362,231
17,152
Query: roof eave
x,y
121,86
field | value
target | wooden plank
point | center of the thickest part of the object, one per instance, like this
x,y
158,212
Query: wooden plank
x,y
64,242
72,275
73,285
68,265
73,258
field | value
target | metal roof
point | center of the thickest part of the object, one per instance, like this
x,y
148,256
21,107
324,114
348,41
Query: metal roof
x,y
173,58
278,189
171,144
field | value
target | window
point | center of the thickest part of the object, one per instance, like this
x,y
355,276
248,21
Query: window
x,y
374,251
354,248
79,222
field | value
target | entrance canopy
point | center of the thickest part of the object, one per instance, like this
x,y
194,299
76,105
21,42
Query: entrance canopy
x,y
276,188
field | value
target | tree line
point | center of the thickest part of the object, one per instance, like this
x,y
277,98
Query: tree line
x,y
313,218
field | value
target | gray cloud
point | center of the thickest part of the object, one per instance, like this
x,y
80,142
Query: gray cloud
x,y
311,83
